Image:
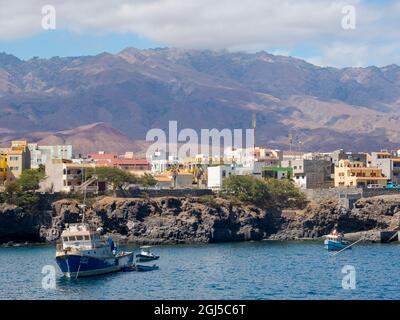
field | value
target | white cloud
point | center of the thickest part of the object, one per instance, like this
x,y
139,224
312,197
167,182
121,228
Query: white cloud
x,y
226,24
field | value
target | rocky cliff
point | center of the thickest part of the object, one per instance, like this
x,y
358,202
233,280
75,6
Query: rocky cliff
x,y
197,220
365,220
165,220
18,225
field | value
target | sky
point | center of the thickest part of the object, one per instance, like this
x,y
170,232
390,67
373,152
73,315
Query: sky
x,y
338,33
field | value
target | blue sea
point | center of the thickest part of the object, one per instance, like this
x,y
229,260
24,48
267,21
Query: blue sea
x,y
262,270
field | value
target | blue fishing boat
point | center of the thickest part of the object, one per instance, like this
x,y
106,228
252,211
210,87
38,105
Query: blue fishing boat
x,y
82,253
335,242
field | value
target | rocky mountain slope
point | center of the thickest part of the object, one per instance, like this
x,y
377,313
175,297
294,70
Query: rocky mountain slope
x,y
196,220
85,139
136,90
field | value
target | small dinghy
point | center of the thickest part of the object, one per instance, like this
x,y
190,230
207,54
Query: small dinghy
x,y
140,267
335,242
145,255
143,268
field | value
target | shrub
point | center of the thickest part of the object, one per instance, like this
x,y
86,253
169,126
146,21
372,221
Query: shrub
x,y
263,193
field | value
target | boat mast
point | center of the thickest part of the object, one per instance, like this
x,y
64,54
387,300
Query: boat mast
x,y
83,205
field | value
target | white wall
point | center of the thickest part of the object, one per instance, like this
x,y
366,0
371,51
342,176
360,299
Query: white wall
x,y
216,176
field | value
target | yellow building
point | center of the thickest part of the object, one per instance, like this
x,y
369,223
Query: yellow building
x,y
18,159
3,165
355,174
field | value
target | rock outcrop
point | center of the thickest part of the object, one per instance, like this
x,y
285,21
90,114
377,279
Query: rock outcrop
x,y
199,220
365,220
18,225
166,220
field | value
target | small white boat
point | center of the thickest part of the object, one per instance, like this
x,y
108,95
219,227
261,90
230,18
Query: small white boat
x,y
145,255
82,253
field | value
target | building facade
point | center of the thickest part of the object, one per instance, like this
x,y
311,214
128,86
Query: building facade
x,y
389,163
356,174
216,176
41,154
310,173
18,159
65,176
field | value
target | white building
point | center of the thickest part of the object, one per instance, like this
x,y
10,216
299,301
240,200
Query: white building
x,y
216,176
40,155
160,162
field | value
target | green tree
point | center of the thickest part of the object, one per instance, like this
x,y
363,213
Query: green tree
x,y
29,181
115,177
264,193
147,180
22,191
247,189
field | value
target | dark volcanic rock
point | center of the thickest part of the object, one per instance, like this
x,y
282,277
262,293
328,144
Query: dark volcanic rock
x,y
195,220
18,225
177,220
368,216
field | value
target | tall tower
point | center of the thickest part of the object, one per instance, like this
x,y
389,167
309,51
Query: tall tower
x,y
254,125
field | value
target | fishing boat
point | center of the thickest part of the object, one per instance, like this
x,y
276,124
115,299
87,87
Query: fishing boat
x,y
82,253
145,255
335,242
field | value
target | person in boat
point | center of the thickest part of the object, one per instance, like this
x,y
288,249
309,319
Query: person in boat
x,y
112,246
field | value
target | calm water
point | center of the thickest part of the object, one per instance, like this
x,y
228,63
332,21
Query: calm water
x,y
266,270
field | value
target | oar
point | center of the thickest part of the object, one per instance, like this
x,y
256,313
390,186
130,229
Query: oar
x,y
394,236
354,243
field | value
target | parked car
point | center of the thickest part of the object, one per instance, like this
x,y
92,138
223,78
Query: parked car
x,y
392,186
375,186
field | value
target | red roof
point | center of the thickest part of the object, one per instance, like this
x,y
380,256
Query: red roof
x,y
123,162
102,156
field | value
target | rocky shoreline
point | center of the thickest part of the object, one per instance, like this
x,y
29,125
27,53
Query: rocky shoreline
x,y
184,220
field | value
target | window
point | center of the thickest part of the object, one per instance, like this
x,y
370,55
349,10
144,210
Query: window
x,y
72,239
87,237
65,239
79,238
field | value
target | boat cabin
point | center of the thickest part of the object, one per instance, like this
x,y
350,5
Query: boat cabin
x,y
80,236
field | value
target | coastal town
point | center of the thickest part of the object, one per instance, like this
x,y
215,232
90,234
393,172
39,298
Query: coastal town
x,y
66,171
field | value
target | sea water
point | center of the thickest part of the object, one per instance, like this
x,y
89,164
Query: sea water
x,y
262,270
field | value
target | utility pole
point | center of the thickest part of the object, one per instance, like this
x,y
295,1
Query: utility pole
x,y
290,141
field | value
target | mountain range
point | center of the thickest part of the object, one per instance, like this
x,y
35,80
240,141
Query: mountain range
x,y
109,101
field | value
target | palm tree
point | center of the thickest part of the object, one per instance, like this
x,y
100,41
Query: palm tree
x,y
198,173
175,170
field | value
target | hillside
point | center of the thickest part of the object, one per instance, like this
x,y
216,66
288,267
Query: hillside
x,y
136,90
